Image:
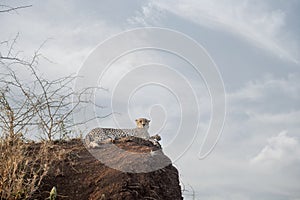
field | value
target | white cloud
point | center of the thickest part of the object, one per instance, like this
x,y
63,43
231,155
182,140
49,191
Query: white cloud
x,y
255,20
149,15
279,150
261,108
267,97
287,118
256,89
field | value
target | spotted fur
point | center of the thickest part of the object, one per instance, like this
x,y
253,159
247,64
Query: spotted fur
x,y
105,135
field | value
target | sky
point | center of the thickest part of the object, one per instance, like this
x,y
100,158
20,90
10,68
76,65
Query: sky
x,y
255,46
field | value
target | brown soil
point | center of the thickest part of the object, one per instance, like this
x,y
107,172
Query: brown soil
x,y
79,175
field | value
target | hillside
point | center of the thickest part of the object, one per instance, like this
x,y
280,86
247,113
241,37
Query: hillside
x,y
78,175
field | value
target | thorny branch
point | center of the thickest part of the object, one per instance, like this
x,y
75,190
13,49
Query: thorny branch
x,y
46,105
6,8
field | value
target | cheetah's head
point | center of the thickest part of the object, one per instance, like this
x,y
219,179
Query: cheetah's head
x,y
142,123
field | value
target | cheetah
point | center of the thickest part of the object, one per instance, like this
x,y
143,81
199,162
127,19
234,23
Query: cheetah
x,y
99,136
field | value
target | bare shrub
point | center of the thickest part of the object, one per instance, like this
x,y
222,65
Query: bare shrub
x,y
30,101
22,167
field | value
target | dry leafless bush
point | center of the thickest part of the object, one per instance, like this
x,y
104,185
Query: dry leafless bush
x,y
21,173
23,166
30,101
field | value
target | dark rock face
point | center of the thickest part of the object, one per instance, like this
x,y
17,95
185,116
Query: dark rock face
x,y
79,175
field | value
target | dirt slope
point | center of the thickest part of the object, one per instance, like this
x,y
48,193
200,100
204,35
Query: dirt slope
x,y
78,175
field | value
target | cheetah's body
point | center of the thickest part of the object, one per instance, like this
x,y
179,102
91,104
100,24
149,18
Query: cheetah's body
x,y
103,135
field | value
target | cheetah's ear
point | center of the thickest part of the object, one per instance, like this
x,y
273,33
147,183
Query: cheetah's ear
x,y
148,120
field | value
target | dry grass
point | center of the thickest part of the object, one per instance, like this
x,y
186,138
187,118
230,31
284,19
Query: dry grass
x,y
22,167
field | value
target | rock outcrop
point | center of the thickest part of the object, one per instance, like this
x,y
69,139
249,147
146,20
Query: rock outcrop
x,y
79,175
